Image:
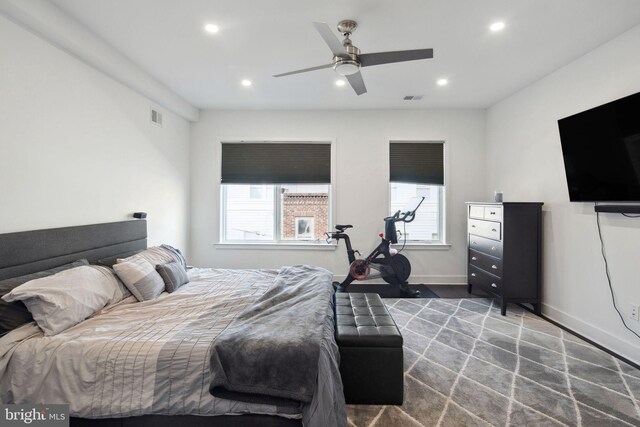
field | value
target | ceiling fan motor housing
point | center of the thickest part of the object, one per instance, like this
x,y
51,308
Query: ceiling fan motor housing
x,y
346,66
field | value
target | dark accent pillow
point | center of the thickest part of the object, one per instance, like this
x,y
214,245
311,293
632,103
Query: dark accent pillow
x,y
15,314
173,274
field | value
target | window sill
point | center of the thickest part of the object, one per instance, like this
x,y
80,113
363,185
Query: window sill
x,y
281,246
424,246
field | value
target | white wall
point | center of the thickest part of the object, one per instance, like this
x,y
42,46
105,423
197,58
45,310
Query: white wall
x,y
524,159
78,148
361,187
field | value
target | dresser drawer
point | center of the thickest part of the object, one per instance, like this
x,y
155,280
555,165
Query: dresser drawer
x,y
481,278
476,212
487,246
485,262
493,213
489,229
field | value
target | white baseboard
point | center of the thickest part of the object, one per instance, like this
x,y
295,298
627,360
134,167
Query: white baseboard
x,y
418,279
624,348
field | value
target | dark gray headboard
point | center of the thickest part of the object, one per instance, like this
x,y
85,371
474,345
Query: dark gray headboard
x,y
31,251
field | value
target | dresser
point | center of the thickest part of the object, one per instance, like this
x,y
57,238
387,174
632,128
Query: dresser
x,y
505,251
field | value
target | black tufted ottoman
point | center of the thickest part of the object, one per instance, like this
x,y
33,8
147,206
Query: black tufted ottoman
x,y
371,361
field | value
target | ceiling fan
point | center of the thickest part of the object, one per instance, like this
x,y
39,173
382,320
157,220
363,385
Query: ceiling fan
x,y
347,58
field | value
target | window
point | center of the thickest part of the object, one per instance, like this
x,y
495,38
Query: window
x,y
282,198
417,170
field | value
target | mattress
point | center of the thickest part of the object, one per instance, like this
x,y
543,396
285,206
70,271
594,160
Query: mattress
x,y
141,358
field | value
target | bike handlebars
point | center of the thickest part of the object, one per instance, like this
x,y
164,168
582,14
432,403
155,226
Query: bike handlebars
x,y
408,215
410,211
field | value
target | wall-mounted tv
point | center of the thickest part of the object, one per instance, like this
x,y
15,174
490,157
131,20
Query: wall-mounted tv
x,y
601,150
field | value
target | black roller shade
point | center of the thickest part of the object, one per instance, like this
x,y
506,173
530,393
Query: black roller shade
x,y
417,162
276,163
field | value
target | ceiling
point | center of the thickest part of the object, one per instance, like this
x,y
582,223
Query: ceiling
x,y
259,38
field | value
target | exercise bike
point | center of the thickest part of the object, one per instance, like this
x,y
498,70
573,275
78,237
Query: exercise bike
x,y
393,267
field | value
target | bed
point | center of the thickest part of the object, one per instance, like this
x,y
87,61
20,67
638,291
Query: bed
x,y
149,363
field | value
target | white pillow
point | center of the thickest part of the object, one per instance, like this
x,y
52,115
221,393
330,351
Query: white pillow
x,y
140,277
162,254
120,291
154,255
67,298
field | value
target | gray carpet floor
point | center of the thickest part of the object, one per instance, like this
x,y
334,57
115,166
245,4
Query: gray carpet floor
x,y
466,365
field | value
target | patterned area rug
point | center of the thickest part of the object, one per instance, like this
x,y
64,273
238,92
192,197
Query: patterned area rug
x,y
466,365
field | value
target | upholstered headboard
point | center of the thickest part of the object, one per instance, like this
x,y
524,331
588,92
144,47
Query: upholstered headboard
x,y
31,251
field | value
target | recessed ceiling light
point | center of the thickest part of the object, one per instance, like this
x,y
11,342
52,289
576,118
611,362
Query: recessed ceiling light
x,y
246,83
442,82
496,26
340,83
211,28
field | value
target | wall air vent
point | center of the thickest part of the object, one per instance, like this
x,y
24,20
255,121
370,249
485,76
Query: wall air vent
x,y
413,97
156,117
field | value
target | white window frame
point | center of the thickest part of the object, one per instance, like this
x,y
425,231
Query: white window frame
x,y
444,199
277,242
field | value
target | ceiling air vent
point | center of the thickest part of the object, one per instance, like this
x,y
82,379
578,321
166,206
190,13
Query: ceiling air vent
x,y
413,97
156,117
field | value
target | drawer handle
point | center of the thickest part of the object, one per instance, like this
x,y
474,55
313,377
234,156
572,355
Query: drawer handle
x,y
474,243
494,230
473,226
473,258
473,274
492,213
494,267
493,248
493,285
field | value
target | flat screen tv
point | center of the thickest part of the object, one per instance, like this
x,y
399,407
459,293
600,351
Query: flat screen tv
x,y
601,150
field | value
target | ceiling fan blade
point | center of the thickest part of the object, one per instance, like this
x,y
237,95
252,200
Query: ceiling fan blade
x,y
356,82
330,39
367,59
319,67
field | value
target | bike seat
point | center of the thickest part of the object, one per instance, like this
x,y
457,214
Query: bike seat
x,y
342,227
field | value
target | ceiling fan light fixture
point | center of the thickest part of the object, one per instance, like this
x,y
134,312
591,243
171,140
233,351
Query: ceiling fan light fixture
x,y
346,67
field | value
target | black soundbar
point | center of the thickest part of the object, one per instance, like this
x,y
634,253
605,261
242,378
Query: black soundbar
x,y
629,209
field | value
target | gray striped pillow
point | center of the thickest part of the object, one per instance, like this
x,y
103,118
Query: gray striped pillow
x,y
173,274
140,277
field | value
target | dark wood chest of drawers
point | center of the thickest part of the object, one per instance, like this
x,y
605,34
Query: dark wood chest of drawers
x,y
505,251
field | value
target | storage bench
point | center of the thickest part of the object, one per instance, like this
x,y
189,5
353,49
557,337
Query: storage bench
x,y
371,358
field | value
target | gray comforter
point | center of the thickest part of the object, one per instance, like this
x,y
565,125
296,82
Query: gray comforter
x,y
142,358
272,352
